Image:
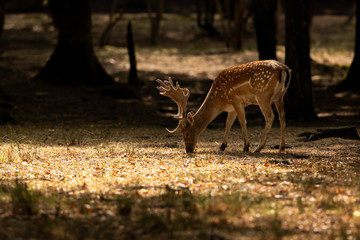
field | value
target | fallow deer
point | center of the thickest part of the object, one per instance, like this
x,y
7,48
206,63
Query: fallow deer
x,y
256,83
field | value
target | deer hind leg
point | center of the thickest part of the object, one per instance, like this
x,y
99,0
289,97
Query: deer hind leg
x,y
280,109
229,122
240,111
266,110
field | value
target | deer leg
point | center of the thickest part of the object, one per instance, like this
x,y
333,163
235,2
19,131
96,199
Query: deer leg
x,y
229,122
269,119
240,111
280,109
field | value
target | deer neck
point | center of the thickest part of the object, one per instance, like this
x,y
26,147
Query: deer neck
x,y
206,113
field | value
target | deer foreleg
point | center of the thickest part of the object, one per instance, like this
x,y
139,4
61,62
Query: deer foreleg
x,y
240,111
229,122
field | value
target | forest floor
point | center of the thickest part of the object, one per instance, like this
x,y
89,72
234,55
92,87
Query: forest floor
x,y
87,162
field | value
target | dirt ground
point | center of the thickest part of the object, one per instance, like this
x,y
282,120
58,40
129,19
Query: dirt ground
x,y
112,141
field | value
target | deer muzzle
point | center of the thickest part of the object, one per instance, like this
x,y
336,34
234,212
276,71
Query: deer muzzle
x,y
189,147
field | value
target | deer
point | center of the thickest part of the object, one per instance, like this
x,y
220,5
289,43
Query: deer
x,y
261,83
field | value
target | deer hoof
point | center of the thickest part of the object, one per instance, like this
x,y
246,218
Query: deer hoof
x,y
223,146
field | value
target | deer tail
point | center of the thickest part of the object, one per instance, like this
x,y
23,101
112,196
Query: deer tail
x,y
285,77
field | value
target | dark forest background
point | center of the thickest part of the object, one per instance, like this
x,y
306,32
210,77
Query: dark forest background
x,y
224,26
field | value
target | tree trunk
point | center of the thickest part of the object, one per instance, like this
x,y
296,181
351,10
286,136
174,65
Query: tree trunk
x,y
133,78
351,14
106,35
155,20
233,17
352,79
205,12
265,25
74,60
239,15
2,16
5,116
298,103
118,10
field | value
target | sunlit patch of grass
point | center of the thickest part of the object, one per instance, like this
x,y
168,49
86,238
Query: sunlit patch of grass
x,y
143,188
333,57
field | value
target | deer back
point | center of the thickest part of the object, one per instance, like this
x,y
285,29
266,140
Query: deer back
x,y
246,81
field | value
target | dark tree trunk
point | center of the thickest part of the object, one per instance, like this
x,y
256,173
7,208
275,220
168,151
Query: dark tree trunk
x,y
74,60
5,116
265,25
155,19
133,78
233,19
239,15
352,79
298,103
106,35
205,13
2,16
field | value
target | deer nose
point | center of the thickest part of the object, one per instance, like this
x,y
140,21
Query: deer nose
x,y
189,150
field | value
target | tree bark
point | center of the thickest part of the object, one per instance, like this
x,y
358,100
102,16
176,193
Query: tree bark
x,y
298,102
239,15
233,17
106,35
73,60
2,16
265,25
205,15
352,79
155,19
133,77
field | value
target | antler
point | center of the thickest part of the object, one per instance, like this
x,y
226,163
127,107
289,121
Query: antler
x,y
179,95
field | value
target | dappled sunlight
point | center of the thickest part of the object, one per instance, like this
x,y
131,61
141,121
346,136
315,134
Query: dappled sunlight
x,y
94,162
306,188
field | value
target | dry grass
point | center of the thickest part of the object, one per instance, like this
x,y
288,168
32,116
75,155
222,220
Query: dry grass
x,y
118,181
142,183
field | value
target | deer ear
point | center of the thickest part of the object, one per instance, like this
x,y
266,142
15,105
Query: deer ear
x,y
190,118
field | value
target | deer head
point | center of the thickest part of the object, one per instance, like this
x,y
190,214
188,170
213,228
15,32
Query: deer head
x,y
186,121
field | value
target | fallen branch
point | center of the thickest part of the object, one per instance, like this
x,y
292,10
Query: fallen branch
x,y
342,132
53,180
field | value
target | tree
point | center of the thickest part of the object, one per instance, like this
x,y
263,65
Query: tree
x,y
155,19
115,15
133,77
2,16
73,60
352,79
205,15
5,116
233,17
265,25
298,103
